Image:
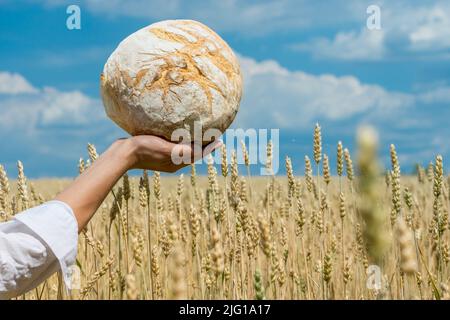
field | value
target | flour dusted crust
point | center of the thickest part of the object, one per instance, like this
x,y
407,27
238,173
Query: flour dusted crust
x,y
167,76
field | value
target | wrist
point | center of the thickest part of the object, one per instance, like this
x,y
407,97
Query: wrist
x,y
126,152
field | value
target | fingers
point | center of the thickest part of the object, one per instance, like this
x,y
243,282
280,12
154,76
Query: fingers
x,y
185,154
212,146
199,152
164,155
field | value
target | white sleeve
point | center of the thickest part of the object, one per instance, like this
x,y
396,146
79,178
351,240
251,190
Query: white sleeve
x,y
35,244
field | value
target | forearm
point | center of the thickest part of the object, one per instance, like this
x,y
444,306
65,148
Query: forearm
x,y
88,191
48,233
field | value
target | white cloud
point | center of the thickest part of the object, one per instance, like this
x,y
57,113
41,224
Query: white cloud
x,y
13,83
49,128
417,29
277,97
431,30
352,45
412,26
274,97
437,95
420,25
273,92
29,109
245,17
70,108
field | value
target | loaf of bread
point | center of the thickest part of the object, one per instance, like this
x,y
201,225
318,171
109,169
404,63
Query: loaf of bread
x,y
170,75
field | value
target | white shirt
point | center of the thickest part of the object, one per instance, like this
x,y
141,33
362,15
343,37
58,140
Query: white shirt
x,y
34,245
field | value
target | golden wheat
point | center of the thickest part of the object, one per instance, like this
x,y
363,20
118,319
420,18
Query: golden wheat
x,y
242,237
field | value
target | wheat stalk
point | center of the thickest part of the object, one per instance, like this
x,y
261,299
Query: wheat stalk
x,y
22,186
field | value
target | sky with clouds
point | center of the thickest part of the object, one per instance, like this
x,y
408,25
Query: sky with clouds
x,y
303,62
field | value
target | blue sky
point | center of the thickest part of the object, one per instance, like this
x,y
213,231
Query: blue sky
x,y
303,62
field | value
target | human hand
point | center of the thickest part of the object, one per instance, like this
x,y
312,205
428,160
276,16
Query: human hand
x,y
155,153
87,192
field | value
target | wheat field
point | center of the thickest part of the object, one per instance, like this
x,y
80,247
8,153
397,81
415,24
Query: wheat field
x,y
365,233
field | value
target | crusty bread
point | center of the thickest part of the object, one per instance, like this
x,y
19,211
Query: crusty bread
x,y
169,75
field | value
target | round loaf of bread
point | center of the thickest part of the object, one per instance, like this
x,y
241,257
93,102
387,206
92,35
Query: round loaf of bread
x,y
171,75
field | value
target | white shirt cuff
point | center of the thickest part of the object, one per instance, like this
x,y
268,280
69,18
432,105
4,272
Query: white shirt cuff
x,y
55,223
